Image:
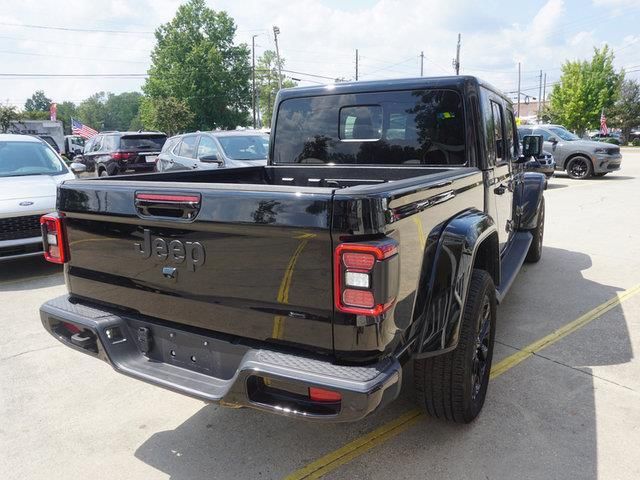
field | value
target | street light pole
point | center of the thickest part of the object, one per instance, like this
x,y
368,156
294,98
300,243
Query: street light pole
x,y
276,32
253,78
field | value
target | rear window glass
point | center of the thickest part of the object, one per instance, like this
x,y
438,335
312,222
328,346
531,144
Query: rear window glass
x,y
146,142
417,127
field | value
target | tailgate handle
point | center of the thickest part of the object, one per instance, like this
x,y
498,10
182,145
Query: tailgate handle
x,y
168,205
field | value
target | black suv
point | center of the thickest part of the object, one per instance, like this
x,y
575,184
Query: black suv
x,y
115,153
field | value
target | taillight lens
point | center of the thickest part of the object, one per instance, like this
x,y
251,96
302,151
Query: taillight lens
x,y
122,155
363,283
53,239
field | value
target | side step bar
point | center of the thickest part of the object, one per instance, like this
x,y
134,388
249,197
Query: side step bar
x,y
512,260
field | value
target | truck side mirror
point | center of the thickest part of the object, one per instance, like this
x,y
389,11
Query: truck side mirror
x,y
553,140
531,147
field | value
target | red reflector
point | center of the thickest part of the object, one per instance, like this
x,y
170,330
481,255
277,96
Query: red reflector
x,y
322,395
358,298
358,261
161,197
71,327
53,239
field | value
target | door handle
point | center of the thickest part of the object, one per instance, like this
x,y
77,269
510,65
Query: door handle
x,y
500,190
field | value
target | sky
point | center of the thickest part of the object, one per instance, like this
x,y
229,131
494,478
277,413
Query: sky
x,y
318,39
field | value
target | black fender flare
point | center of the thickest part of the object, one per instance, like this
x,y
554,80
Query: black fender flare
x,y
529,198
447,270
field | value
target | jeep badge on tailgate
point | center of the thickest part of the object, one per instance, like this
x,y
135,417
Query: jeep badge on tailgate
x,y
174,250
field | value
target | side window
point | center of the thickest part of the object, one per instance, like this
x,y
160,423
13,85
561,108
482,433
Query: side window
x,y
545,135
511,138
89,145
188,146
498,129
109,143
207,146
97,144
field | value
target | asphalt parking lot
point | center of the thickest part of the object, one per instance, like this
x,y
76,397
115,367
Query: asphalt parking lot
x,y
569,410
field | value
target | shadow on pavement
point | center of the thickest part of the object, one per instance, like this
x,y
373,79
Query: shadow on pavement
x,y
553,186
15,273
539,420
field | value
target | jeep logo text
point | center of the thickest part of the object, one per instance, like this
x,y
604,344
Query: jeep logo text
x,y
175,251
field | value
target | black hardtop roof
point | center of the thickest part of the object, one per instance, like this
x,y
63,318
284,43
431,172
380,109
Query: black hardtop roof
x,y
456,82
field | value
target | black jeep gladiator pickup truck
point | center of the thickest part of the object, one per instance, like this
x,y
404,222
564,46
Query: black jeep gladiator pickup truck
x,y
391,219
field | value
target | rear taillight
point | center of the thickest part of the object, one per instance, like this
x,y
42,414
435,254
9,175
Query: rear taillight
x,y
365,277
53,239
122,155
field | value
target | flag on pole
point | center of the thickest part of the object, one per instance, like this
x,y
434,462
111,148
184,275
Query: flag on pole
x,y
603,124
81,129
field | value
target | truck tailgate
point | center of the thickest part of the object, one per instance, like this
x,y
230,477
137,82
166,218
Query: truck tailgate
x,y
252,262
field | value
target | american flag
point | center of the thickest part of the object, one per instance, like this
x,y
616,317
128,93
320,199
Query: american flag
x,y
81,129
603,124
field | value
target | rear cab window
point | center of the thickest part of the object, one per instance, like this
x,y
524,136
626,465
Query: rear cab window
x,y
410,127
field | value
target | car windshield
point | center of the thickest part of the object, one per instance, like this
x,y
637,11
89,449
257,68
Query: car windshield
x,y
28,158
563,133
145,142
245,147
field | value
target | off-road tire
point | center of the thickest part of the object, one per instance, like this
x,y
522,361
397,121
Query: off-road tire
x,y
535,249
103,173
444,383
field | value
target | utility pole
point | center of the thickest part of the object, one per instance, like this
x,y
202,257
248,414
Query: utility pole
x,y
456,62
518,89
540,97
276,32
544,91
421,64
356,64
253,78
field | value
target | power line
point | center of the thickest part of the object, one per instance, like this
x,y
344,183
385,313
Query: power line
x,y
70,29
72,57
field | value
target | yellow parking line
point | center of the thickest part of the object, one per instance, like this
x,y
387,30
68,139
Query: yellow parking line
x,y
363,444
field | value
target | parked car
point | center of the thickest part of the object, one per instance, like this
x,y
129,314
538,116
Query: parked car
x,y
73,145
116,153
613,138
381,232
205,150
30,171
634,135
579,158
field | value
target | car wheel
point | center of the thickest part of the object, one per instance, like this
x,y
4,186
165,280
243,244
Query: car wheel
x,y
579,168
103,173
535,249
454,385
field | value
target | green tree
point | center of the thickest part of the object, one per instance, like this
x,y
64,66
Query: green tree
x,y
7,115
195,60
120,110
169,115
626,111
38,102
92,111
585,88
267,84
66,110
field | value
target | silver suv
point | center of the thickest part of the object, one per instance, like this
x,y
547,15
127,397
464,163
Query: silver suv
x,y
206,150
580,158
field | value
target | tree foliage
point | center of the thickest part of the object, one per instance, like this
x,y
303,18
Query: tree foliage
x,y
585,88
267,84
169,115
195,61
109,111
7,114
626,110
38,102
